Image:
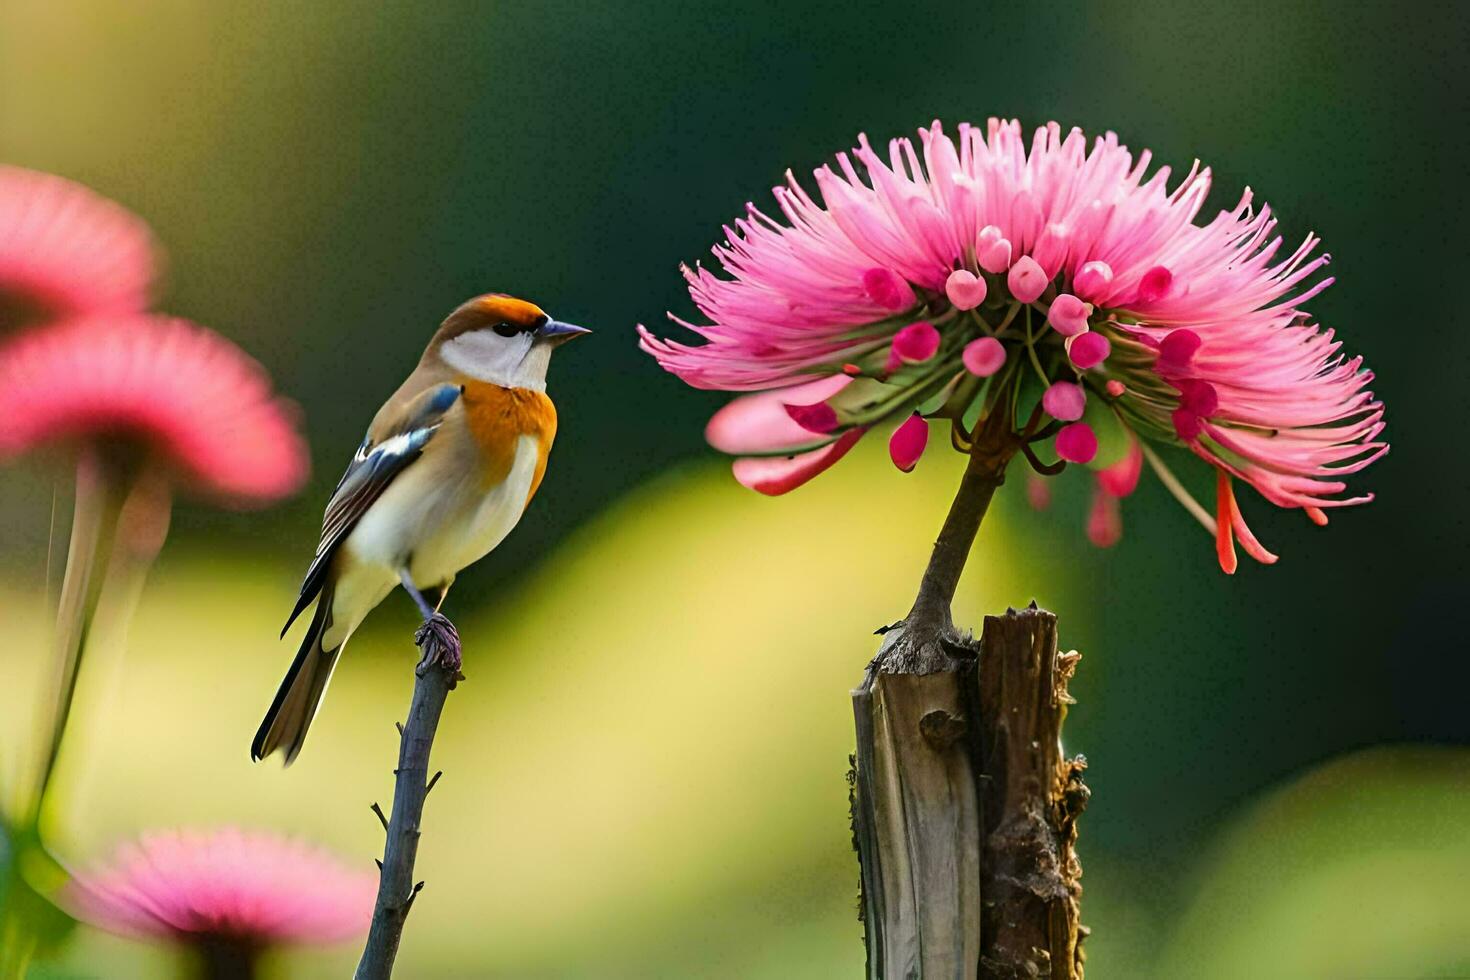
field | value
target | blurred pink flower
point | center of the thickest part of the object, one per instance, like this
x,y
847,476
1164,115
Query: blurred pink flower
x,y
252,888
1079,267
67,251
183,395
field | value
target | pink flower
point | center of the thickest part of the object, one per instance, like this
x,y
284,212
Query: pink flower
x,y
66,251
1194,332
249,888
191,400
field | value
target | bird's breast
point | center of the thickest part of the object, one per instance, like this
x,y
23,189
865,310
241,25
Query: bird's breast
x,y
498,419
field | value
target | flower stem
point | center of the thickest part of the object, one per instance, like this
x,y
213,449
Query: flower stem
x,y
103,481
993,444
227,959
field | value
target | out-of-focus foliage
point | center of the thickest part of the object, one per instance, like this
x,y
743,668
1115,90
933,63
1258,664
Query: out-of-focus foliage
x,y
1359,869
647,780
645,769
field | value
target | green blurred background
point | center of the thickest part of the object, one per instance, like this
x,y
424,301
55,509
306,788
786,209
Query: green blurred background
x,y
645,772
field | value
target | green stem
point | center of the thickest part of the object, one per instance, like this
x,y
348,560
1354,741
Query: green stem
x,y
103,481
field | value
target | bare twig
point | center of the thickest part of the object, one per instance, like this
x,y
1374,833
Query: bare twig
x,y
381,818
436,676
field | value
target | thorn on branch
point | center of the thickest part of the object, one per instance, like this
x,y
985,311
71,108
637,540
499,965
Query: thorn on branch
x,y
399,725
429,788
378,863
411,896
381,818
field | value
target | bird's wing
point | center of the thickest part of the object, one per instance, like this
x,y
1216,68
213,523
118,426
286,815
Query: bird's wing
x,y
376,464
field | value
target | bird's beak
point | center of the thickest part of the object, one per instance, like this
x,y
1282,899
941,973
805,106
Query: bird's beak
x,y
556,333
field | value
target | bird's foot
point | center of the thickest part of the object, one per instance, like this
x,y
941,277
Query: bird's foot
x,y
439,641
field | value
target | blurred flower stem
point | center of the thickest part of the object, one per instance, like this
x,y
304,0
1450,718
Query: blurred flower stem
x,y
104,479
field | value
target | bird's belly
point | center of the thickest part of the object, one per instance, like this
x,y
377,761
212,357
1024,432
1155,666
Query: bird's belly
x,y
473,529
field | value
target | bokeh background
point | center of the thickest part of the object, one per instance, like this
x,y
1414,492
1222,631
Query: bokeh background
x,y
645,771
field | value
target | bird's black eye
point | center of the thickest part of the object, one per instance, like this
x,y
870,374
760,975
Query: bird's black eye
x,y
506,329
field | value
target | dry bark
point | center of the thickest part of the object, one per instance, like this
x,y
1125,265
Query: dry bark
x,y
964,808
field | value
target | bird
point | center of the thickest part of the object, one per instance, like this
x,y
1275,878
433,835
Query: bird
x,y
448,467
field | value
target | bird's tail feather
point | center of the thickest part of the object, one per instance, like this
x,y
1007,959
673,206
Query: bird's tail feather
x,y
301,692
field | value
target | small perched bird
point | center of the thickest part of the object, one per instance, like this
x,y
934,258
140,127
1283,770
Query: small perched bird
x,y
449,465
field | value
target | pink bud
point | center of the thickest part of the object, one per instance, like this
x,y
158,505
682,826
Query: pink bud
x,y
1092,279
992,250
820,418
888,289
1104,520
1121,479
1068,315
1063,400
908,442
1077,443
1199,397
984,357
1155,285
1116,388
1177,350
915,343
1088,350
1187,424
1038,490
1026,280
965,289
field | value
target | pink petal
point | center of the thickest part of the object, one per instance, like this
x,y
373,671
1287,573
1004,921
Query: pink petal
x,y
759,423
775,475
820,418
1176,350
888,289
1104,520
1121,479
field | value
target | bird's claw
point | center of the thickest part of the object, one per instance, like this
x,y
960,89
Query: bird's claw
x,y
439,641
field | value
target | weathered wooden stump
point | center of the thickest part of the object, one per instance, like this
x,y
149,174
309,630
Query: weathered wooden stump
x,y
964,807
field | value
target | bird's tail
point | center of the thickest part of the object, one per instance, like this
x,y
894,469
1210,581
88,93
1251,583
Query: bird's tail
x,y
301,692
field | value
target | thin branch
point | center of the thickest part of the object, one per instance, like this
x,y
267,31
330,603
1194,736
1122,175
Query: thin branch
x,y
381,818
995,442
436,676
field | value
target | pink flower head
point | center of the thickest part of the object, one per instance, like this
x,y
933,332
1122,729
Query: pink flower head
x,y
252,888
1193,330
67,251
183,395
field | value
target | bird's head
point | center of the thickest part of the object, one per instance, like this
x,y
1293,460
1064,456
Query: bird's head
x,y
502,340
